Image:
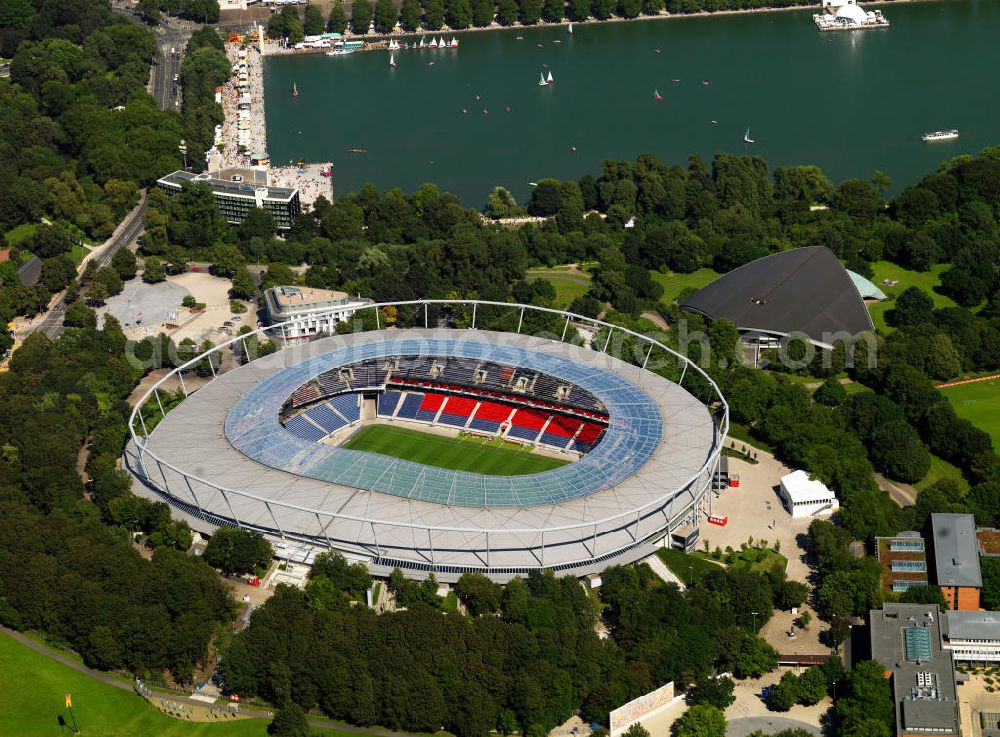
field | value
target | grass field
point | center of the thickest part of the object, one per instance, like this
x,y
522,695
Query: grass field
x,y
686,567
926,280
458,454
674,284
979,403
568,285
941,469
19,233
31,701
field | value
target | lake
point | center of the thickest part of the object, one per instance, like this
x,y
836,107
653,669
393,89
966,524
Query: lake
x,y
848,102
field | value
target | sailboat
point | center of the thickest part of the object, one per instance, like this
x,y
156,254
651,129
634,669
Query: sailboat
x,y
549,80
454,42
295,90
541,80
746,136
657,96
392,59
434,43
569,29
422,44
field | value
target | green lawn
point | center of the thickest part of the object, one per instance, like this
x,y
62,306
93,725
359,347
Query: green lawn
x,y
979,403
926,280
31,701
568,285
19,233
686,567
458,454
78,252
941,469
674,284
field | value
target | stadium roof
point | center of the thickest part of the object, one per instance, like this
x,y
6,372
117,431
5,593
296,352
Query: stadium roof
x,y
804,290
866,288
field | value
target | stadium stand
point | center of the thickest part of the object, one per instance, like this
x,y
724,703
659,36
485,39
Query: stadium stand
x,y
526,424
387,402
590,435
489,416
429,407
457,410
325,417
347,405
301,427
411,404
304,395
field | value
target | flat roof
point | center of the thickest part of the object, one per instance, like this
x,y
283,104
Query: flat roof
x,y
246,188
963,625
285,297
803,290
956,550
906,639
801,488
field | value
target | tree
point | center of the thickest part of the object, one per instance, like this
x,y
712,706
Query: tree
x,y
243,286
553,10
57,273
637,730
337,22
312,21
386,16
49,241
991,582
289,721
579,10
97,295
784,694
361,16
259,223
629,8
479,594
507,12
78,315
410,14
812,686
459,13
482,13
149,10
152,270
434,14
702,720
913,307
714,690
897,448
530,11
929,594
831,393
124,262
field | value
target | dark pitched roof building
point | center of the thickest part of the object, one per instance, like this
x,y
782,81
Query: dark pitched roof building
x,y
803,290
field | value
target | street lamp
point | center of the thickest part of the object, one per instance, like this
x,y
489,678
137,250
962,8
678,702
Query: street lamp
x,y
184,151
755,621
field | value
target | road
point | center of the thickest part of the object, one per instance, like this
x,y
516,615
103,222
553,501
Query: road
x,y
168,36
125,235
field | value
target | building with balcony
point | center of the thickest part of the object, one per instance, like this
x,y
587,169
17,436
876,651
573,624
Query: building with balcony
x,y
238,191
305,312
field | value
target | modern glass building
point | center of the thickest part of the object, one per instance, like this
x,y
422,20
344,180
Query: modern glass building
x,y
238,191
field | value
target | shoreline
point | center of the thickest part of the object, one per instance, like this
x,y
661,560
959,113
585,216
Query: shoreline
x,y
272,48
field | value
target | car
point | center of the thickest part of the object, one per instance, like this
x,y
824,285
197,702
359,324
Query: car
x,y
176,77
237,318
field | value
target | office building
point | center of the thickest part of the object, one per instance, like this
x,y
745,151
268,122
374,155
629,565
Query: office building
x,y
306,312
238,191
956,560
903,559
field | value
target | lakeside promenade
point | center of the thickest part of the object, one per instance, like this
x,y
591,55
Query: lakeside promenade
x,y
308,179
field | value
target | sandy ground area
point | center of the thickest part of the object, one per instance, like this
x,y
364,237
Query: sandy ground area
x,y
974,699
213,291
749,712
310,182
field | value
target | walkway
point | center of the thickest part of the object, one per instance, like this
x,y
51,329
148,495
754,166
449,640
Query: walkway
x,y
661,570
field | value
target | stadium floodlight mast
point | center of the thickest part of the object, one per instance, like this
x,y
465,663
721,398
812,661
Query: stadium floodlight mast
x,y
665,506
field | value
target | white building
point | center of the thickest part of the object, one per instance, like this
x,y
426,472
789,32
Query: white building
x,y
805,497
304,311
972,636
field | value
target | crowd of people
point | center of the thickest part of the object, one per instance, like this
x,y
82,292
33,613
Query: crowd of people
x,y
231,155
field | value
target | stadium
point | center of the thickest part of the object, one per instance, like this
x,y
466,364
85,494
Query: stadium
x,y
441,449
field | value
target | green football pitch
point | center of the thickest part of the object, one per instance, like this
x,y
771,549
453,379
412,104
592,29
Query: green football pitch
x,y
458,454
979,403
